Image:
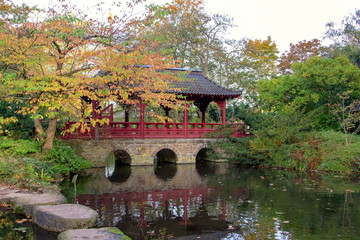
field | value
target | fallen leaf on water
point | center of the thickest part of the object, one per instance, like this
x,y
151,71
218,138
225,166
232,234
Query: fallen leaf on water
x,y
285,221
21,220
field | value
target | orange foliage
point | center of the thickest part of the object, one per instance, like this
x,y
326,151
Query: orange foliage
x,y
299,52
52,63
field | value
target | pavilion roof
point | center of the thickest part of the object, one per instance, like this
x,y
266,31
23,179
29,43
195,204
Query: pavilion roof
x,y
196,83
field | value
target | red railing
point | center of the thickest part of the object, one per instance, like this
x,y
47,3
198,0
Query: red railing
x,y
152,130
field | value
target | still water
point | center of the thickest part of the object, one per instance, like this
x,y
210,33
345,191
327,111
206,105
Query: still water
x,y
217,201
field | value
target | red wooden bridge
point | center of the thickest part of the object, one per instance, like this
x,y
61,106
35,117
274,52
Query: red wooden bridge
x,y
197,89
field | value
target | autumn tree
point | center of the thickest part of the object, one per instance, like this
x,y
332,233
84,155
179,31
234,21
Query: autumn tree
x,y
299,52
51,64
15,14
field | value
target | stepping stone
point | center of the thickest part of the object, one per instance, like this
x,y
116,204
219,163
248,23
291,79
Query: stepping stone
x,y
9,196
58,218
108,233
27,201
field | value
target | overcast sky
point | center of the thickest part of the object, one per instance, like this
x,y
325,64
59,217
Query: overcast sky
x,y
286,21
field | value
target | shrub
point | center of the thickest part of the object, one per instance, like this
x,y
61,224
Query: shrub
x,y
19,147
336,155
22,162
65,160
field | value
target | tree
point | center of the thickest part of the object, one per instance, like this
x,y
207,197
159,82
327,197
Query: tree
x,y
346,38
257,61
189,34
50,65
315,84
299,52
348,116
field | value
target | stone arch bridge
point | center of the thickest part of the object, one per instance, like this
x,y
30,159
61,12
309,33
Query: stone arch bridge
x,y
140,151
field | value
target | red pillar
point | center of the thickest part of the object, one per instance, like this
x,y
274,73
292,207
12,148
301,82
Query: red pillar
x,y
142,121
186,122
223,110
222,105
203,116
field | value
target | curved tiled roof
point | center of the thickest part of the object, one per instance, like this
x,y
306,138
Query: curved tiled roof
x,y
196,83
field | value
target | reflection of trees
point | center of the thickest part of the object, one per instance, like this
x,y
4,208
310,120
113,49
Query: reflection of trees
x,y
263,204
297,204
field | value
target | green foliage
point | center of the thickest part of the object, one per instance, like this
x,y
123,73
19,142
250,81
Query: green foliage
x,y
65,160
288,140
23,172
244,112
236,150
23,127
22,163
317,151
277,132
316,84
336,156
20,147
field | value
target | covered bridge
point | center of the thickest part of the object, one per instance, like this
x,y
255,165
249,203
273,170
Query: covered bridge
x,y
184,138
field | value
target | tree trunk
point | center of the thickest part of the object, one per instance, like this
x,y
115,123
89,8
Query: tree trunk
x,y
50,134
39,129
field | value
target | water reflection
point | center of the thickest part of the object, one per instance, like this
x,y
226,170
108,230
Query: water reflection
x,y
212,201
120,174
118,168
165,170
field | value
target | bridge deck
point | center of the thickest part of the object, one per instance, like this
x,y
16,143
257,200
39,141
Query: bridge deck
x,y
139,130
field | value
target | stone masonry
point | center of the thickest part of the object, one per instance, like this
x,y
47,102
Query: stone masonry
x,y
141,151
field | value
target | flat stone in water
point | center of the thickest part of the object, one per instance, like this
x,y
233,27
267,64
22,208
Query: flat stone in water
x,y
108,233
58,218
28,201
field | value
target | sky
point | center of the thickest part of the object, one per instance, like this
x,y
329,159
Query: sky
x,y
286,21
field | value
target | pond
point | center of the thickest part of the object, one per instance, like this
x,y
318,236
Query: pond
x,y
217,201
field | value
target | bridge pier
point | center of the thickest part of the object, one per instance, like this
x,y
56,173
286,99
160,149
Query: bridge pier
x,y
140,151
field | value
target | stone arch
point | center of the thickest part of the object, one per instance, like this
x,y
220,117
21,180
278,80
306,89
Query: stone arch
x,y
117,167
166,155
202,154
169,152
198,148
122,157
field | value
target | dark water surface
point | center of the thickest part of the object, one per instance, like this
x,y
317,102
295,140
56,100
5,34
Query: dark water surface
x,y
215,201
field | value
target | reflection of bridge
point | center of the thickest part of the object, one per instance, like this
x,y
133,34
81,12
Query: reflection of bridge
x,y
143,201
142,140
177,210
144,179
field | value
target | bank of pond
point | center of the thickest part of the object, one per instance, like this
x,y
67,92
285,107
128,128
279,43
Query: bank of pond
x,y
211,201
